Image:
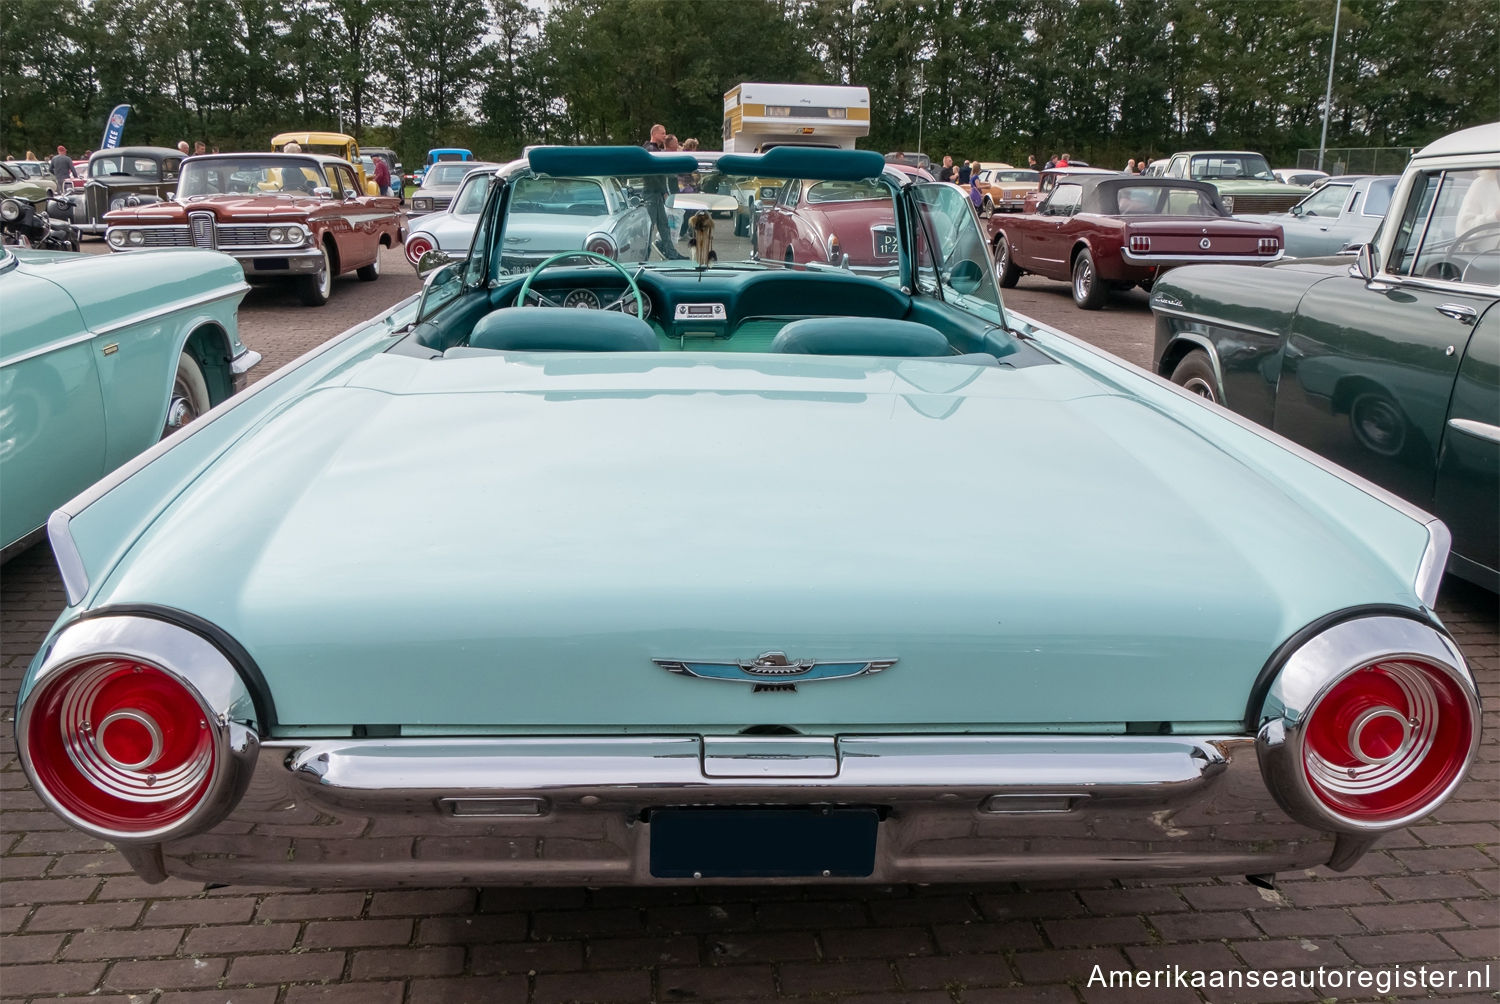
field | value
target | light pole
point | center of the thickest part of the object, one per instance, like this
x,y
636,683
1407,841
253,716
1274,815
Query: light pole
x,y
1328,94
920,88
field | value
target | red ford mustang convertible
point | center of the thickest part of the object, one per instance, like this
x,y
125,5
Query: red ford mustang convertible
x,y
1112,231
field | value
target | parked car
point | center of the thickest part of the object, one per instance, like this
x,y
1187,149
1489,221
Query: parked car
x,y
451,230
1005,189
1339,216
1243,178
1300,176
123,176
330,144
99,359
1389,367
392,162
16,184
440,183
918,160
1114,231
1049,178
441,154
850,223
673,592
297,216
40,172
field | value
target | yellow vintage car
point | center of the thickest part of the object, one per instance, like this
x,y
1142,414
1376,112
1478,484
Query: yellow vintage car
x,y
333,144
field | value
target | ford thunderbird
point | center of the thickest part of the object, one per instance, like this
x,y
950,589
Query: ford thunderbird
x,y
759,570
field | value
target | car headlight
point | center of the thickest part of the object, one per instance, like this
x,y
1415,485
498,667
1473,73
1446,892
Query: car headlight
x,y
10,209
1228,202
295,234
276,235
135,237
421,203
116,238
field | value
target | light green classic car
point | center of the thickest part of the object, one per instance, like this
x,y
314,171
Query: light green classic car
x,y
1243,178
773,569
99,358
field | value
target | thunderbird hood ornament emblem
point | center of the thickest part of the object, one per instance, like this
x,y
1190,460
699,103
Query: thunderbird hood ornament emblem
x,y
773,671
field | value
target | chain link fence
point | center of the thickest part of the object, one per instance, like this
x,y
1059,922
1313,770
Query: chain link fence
x,y
1358,159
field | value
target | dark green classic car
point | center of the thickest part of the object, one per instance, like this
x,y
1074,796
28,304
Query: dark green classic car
x,y
1389,366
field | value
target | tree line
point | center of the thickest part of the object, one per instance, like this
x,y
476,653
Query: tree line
x,y
986,79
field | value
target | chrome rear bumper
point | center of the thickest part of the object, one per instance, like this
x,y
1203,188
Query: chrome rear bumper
x,y
577,811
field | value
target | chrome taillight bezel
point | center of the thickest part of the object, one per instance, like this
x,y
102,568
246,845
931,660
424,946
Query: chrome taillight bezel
x,y
1314,669
194,663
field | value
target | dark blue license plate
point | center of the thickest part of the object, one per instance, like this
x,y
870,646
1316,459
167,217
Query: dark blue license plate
x,y
885,245
763,843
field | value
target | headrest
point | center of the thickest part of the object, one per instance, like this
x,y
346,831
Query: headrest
x,y
861,336
557,329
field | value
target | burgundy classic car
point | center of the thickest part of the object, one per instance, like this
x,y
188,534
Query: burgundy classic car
x,y
281,215
827,222
1113,231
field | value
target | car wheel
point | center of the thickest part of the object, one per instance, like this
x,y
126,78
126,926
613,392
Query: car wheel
x,y
1196,375
1007,274
1088,291
189,395
371,272
317,288
1378,423
989,206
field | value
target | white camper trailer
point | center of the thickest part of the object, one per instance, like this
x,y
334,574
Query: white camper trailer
x,y
760,116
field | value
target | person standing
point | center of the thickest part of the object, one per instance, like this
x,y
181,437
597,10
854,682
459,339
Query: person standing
x,y
61,164
200,148
655,191
1130,167
964,170
382,176
1031,161
945,173
182,147
1062,159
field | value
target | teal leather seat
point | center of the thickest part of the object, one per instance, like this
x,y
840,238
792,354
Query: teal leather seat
x,y
861,336
556,329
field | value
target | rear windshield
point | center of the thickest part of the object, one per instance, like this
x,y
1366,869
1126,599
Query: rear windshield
x,y
444,174
1162,200
847,191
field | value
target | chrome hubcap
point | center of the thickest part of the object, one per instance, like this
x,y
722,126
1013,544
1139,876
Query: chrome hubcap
x,y
1083,279
179,410
1199,386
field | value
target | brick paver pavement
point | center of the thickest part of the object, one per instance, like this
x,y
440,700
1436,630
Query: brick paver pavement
x,y
75,924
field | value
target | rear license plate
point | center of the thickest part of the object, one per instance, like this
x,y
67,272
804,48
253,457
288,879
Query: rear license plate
x,y
886,245
763,843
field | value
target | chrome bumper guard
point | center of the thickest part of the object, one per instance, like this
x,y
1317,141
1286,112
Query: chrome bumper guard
x,y
241,366
577,811
1200,259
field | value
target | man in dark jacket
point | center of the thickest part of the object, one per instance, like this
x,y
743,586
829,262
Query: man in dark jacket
x,y
656,198
382,176
61,165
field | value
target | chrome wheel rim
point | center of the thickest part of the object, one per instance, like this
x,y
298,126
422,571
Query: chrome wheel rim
x,y
375,265
325,277
1002,258
1199,386
1083,278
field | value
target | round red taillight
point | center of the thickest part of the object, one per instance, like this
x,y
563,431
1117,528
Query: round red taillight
x,y
1387,741
416,248
121,745
600,245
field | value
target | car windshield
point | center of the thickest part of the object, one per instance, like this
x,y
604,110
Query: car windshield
x,y
1020,175
1378,197
1162,200
1231,166
114,165
449,174
450,155
30,170
470,198
272,174
1326,201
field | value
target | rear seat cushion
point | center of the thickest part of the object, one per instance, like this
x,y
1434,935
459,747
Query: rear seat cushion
x,y
861,336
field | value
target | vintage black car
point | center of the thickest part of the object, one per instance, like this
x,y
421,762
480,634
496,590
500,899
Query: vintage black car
x,y
120,177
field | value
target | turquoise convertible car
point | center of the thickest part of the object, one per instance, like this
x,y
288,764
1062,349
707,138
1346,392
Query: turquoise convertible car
x,y
762,571
99,359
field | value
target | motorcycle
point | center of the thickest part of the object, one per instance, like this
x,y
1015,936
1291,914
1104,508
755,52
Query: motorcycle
x,y
42,223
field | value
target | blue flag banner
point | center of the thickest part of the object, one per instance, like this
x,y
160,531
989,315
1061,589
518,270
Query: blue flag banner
x,y
114,127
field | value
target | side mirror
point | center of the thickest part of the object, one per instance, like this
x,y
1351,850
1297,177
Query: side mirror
x,y
323,192
1367,261
966,276
350,193
433,259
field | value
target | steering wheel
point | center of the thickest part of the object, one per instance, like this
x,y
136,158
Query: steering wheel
x,y
635,290
1476,231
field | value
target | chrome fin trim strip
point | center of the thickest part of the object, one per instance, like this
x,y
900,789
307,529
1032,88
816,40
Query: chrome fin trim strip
x,y
187,303
1479,430
1434,562
69,562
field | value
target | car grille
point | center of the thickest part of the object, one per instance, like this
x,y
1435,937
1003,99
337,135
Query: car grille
x,y
441,202
167,237
1265,203
202,225
244,236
